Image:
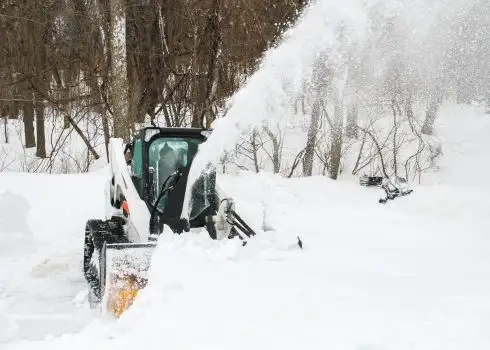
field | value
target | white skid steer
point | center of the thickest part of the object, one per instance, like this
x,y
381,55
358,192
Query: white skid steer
x,y
145,193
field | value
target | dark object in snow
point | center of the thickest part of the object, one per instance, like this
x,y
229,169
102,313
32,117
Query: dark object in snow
x,y
370,180
394,187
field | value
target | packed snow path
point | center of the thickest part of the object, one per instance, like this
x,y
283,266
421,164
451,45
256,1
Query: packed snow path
x,y
411,274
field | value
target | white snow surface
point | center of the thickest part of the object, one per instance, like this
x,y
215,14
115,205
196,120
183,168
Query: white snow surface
x,y
411,274
42,221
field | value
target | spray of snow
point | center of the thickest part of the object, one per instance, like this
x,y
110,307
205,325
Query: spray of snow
x,y
332,31
280,77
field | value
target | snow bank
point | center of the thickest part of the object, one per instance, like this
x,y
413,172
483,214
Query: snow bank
x,y
406,275
42,221
370,277
8,326
13,213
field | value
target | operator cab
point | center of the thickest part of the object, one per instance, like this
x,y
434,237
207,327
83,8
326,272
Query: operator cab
x,y
156,154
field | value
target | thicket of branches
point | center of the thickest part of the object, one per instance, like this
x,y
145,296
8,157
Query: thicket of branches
x,y
182,59
371,107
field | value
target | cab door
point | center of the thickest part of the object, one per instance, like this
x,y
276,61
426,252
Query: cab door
x,y
137,165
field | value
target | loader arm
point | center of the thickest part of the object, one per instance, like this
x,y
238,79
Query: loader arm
x,y
227,221
121,188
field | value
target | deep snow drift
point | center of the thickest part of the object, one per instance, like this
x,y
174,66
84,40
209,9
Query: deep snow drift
x,y
42,220
411,274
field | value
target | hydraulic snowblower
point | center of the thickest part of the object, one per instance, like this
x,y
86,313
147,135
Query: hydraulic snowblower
x,y
394,187
145,193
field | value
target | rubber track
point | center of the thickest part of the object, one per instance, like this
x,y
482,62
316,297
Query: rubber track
x,y
96,233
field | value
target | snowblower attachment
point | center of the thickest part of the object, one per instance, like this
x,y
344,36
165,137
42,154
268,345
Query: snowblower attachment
x,y
394,187
369,181
145,193
125,273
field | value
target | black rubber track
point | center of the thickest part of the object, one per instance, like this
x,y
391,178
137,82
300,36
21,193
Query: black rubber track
x,y
98,232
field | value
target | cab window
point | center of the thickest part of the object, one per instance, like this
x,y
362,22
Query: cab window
x,y
166,155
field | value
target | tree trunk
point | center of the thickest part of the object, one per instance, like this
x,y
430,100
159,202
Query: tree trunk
x,y
30,140
395,129
137,45
5,129
351,130
63,91
118,79
359,155
430,118
212,69
83,137
134,94
276,149
107,133
41,137
311,138
336,142
255,151
462,95
199,101
320,82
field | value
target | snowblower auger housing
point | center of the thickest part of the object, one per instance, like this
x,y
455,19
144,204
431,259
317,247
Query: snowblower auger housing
x,y
145,192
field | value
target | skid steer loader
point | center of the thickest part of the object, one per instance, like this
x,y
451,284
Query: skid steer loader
x,y
144,196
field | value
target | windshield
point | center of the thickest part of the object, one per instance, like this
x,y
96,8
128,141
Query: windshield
x,y
166,155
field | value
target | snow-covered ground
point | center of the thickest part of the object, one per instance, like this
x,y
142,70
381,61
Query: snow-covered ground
x,y
464,131
411,274
42,220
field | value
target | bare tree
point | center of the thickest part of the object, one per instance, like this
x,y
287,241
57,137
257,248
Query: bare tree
x,y
277,145
431,113
122,60
351,129
336,141
320,81
118,91
40,132
309,152
249,149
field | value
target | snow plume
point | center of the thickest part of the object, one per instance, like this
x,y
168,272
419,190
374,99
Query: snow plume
x,y
281,76
362,47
